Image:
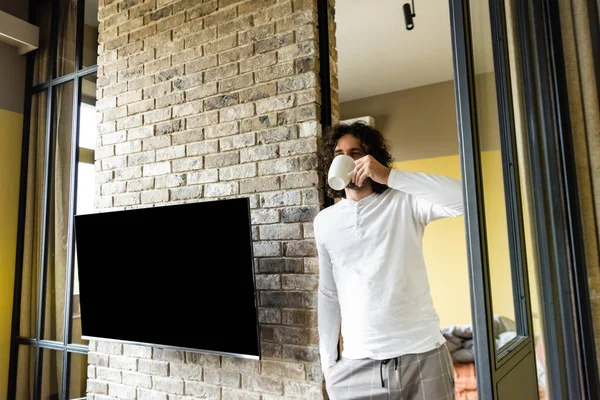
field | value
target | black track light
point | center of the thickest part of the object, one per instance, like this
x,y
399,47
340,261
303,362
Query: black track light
x,y
409,15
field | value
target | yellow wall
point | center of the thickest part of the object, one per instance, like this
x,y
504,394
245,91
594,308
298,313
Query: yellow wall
x,y
445,244
10,158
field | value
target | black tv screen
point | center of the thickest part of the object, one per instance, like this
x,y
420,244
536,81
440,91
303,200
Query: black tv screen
x,y
177,276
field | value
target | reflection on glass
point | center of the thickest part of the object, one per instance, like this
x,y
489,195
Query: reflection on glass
x,y
52,363
33,216
42,18
67,35
78,375
492,176
90,33
85,181
533,265
58,212
25,372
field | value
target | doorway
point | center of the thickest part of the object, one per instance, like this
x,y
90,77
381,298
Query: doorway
x,y
449,98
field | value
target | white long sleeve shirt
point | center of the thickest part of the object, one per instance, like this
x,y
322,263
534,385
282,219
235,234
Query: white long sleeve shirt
x,y
373,283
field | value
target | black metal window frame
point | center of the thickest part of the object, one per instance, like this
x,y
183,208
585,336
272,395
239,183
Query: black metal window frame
x,y
38,343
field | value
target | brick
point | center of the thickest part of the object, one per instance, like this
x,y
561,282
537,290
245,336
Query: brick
x,y
256,34
185,193
258,92
299,214
202,390
103,177
160,168
97,387
299,317
188,108
271,350
100,360
306,32
190,136
131,49
187,164
171,126
258,123
281,299
155,66
220,130
240,365
153,367
258,62
169,100
227,3
221,72
299,282
137,380
309,232
223,378
122,391
145,157
280,134
113,188
278,166
156,142
240,24
311,265
147,394
235,394
108,374
130,122
114,113
140,107
128,173
265,216
280,265
186,371
187,81
130,97
106,151
267,249
280,231
301,353
141,9
142,33
170,73
221,189
309,129
114,162
221,44
170,385
298,114
267,282
137,185
170,153
236,112
241,171
221,17
221,160
203,37
296,20
122,362
299,180
115,89
284,369
297,82
308,96
221,101
275,104
168,181
115,66
207,360
269,315
235,83
204,119
262,384
303,390
274,13
308,64
171,47
274,42
298,50
156,91
237,141
255,5
157,40
204,176
201,92
170,23
274,72
257,185
204,147
201,64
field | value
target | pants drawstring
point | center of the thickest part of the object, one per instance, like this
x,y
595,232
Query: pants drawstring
x,y
384,362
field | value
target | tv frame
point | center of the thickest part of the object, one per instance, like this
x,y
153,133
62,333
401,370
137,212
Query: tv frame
x,y
182,348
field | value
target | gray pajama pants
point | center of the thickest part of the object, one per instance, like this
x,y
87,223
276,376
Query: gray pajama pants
x,y
425,376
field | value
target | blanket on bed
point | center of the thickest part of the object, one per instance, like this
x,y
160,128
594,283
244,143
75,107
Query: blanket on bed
x,y
459,338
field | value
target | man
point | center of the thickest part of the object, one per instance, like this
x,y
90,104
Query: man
x,y
373,282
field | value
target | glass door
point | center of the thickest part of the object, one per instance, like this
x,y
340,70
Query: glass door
x,y
500,245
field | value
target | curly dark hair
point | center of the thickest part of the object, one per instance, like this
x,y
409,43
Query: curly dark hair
x,y
372,142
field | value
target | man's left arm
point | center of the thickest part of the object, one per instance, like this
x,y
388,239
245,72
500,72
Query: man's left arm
x,y
434,196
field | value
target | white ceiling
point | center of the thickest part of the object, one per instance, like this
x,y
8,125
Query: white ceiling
x,y
376,54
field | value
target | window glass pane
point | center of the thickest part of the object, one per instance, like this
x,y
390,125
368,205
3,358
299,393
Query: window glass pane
x,y
25,372
85,181
90,33
42,19
492,175
52,372
78,375
67,35
529,227
58,212
32,243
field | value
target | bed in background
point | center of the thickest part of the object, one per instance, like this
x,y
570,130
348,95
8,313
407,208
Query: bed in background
x,y
459,340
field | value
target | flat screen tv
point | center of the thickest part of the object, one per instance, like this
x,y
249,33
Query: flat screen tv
x,y
176,276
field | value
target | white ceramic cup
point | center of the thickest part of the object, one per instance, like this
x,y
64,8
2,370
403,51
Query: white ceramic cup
x,y
340,172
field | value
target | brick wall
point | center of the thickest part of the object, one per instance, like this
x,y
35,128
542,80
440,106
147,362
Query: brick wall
x,y
215,99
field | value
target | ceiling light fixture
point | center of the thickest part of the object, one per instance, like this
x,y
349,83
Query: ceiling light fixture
x,y
409,15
